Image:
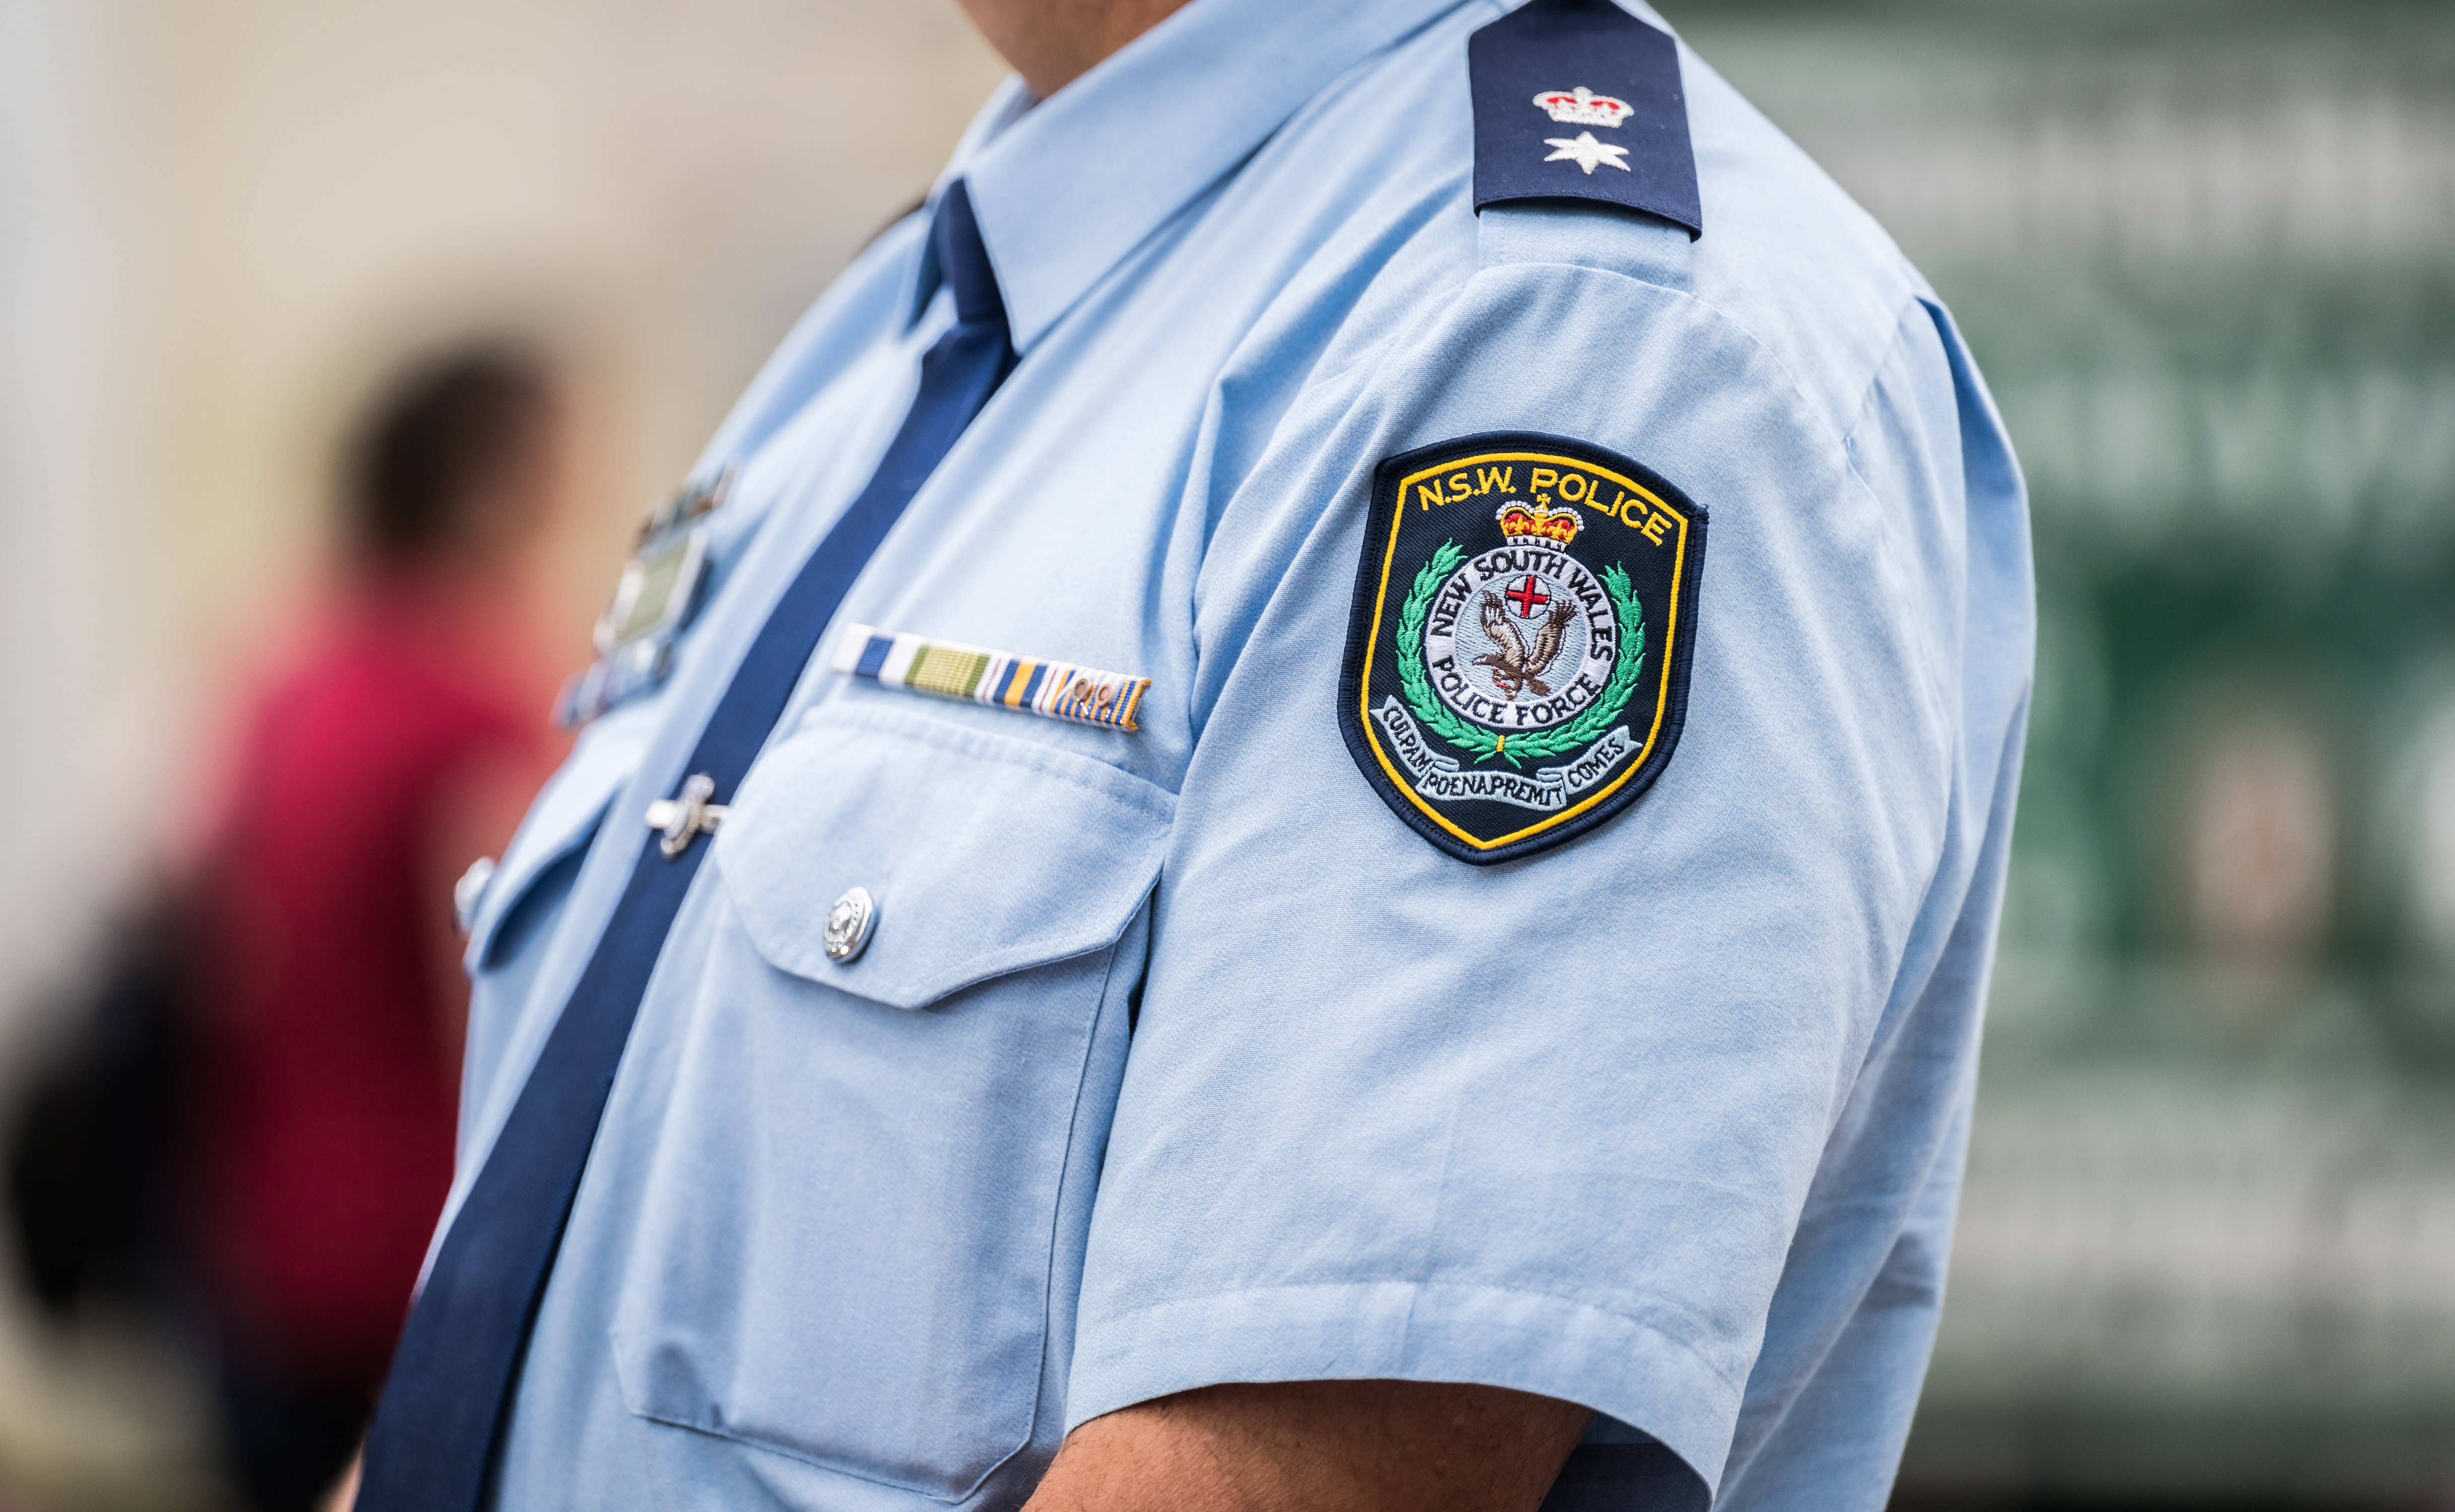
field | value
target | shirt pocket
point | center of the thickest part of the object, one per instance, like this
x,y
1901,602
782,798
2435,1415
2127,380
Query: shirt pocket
x,y
555,830
847,1227
525,897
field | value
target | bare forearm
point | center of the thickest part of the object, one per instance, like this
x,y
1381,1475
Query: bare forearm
x,y
1318,1446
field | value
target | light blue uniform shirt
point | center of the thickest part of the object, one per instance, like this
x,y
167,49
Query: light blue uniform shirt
x,y
1175,1057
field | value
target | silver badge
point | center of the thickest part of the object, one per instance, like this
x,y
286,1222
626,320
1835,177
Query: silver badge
x,y
686,816
654,602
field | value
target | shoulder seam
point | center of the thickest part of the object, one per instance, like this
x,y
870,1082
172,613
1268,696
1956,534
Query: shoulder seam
x,y
1875,372
1859,412
1938,695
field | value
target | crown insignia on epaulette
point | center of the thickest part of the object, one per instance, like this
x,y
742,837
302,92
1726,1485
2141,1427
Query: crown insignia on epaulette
x,y
1524,522
1583,106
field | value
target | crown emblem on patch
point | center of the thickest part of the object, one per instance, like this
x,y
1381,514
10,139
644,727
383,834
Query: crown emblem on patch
x,y
1583,106
1523,522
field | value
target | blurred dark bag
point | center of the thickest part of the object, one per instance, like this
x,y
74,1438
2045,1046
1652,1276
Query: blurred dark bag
x,y
89,1155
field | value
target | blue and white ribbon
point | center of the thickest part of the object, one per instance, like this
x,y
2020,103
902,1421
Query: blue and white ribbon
x,y
1059,690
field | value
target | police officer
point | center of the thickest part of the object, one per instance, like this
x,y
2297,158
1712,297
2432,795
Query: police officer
x,y
1306,810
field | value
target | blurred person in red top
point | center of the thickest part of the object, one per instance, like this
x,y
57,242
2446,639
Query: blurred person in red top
x,y
400,741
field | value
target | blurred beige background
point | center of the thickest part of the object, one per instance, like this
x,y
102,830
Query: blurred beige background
x,y
226,218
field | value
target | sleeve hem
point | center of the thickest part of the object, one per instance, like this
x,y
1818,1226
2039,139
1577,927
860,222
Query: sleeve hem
x,y
1413,1331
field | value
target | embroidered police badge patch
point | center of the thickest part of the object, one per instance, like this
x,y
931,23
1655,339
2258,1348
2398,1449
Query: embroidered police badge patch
x,y
1516,664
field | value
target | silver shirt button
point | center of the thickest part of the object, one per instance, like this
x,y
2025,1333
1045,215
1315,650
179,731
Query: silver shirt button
x,y
468,893
848,925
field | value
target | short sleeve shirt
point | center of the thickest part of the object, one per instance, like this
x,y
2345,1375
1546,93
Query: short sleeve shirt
x,y
1177,1056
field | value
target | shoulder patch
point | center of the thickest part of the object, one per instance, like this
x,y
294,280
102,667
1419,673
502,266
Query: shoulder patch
x,y
1578,99
1516,667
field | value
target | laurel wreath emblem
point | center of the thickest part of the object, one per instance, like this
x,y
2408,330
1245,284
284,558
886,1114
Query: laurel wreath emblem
x,y
1485,744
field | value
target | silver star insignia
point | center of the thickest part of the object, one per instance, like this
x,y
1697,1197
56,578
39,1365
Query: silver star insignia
x,y
1586,153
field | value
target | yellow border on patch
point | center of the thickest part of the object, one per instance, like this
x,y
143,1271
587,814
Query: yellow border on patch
x,y
1662,689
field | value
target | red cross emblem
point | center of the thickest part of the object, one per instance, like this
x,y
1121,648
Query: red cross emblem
x,y
1527,597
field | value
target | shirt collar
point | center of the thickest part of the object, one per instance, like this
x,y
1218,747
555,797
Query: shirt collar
x,y
1065,189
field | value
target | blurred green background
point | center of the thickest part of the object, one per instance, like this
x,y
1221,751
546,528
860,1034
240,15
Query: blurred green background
x,y
2205,255
2205,251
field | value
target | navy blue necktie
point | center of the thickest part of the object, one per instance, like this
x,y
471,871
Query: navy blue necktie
x,y
443,1406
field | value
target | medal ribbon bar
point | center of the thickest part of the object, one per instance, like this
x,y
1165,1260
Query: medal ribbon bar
x,y
1056,690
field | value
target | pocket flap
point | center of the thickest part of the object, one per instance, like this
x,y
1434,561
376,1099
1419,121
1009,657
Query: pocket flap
x,y
564,818
982,854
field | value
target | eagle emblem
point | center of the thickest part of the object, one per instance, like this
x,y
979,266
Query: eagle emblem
x,y
1514,668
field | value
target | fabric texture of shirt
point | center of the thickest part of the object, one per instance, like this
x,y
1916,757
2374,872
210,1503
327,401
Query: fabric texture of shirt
x,y
1174,1058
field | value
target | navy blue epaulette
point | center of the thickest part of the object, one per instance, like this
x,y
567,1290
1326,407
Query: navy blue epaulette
x,y
1578,99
